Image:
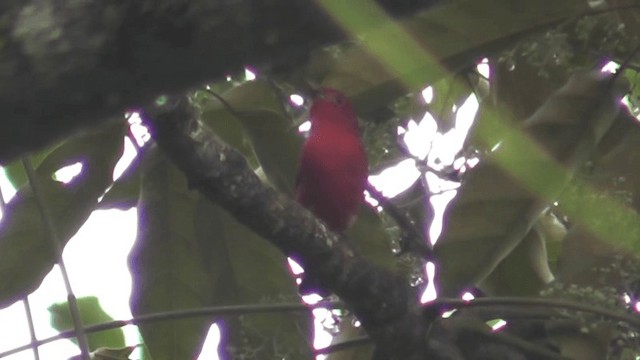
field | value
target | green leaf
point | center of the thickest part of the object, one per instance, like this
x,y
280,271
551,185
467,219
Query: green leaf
x,y
248,270
167,262
124,193
588,258
274,137
371,238
224,123
91,313
524,272
448,92
26,255
503,196
189,254
15,170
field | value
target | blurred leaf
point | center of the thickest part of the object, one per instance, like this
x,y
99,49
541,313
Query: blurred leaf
x,y
588,259
167,263
91,313
25,248
446,35
524,272
519,87
501,198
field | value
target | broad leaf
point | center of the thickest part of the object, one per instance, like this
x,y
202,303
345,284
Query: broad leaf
x,y
91,313
246,270
167,262
26,254
274,137
502,197
524,272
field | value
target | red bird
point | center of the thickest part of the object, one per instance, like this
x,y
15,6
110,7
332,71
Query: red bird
x,y
333,167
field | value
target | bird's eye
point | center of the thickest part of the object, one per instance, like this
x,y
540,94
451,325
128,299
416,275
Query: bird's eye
x,y
339,100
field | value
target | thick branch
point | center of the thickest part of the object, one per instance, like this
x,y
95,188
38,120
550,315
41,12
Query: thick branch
x,y
67,65
383,301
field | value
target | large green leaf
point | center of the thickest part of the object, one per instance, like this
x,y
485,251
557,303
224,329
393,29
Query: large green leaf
x,y
26,255
91,313
190,254
247,269
524,272
502,197
225,123
167,262
273,135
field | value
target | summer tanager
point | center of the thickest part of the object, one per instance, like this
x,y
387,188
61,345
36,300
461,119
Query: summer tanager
x,y
333,167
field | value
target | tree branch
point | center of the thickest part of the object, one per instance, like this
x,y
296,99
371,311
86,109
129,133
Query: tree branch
x,y
383,301
67,65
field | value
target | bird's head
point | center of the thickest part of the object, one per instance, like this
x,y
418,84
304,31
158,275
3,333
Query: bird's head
x,y
330,106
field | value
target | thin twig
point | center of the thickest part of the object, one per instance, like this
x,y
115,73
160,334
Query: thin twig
x,y
182,314
54,239
418,241
225,104
633,320
32,328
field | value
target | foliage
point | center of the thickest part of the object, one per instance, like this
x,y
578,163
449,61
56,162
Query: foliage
x,y
550,211
91,313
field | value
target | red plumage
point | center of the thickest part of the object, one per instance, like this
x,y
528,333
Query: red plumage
x,y
333,167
